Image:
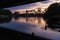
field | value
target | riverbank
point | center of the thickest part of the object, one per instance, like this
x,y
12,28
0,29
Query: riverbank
x,y
9,34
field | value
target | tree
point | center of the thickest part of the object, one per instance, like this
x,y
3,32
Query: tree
x,y
16,13
5,12
53,9
52,15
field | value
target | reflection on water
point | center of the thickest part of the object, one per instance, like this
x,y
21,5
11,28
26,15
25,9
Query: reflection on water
x,y
33,20
29,25
5,19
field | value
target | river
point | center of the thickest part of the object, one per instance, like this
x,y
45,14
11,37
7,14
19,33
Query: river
x,y
29,25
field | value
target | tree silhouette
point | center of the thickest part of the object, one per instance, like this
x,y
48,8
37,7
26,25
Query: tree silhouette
x,y
53,10
16,13
5,12
52,15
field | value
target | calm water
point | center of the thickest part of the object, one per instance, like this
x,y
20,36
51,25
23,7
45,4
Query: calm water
x,y
29,25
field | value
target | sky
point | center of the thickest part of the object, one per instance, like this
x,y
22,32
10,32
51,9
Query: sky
x,y
42,5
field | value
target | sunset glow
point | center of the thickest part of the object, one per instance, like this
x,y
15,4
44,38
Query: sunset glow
x,y
42,5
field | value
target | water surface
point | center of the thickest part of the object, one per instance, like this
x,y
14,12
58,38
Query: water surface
x,y
29,25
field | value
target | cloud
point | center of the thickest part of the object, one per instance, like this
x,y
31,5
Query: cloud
x,y
29,6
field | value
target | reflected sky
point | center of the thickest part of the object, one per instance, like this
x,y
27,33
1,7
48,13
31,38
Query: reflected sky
x,y
34,20
31,24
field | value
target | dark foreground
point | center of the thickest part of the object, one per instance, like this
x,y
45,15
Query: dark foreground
x,y
8,34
